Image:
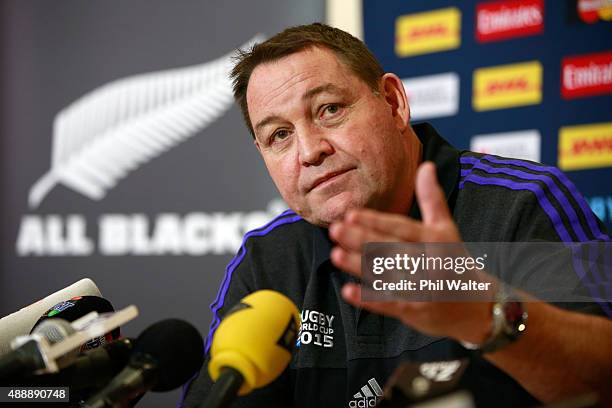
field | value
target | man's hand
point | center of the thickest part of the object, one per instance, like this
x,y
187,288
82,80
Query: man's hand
x,y
581,359
467,321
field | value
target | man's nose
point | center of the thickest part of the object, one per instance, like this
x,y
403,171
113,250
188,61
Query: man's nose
x,y
314,147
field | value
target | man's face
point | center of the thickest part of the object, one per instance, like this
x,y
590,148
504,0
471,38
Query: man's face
x,y
328,141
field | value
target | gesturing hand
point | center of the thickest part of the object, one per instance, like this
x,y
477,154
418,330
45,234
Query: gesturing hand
x,y
468,321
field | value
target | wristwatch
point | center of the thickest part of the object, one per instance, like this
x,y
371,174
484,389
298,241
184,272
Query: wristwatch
x,y
509,322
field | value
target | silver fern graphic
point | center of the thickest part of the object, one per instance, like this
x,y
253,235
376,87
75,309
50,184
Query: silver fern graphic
x,y
114,129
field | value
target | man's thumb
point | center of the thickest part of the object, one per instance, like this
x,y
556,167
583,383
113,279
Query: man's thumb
x,y
430,195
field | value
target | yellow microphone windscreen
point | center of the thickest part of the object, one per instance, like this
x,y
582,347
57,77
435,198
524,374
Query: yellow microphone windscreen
x,y
257,338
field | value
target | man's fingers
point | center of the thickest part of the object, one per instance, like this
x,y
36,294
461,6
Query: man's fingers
x,y
430,195
399,226
347,261
352,236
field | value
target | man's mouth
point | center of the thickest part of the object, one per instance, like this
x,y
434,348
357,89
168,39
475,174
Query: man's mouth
x,y
327,178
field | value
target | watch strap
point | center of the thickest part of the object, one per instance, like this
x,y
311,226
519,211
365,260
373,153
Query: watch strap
x,y
508,322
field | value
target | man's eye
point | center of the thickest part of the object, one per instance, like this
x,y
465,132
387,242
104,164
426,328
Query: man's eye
x,y
279,135
330,110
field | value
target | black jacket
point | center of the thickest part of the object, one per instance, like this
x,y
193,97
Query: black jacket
x,y
349,354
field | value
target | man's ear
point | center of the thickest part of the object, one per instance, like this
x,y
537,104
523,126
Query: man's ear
x,y
395,95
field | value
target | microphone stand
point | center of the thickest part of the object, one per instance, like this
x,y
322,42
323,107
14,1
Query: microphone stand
x,y
224,391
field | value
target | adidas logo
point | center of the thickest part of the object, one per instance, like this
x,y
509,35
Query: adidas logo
x,y
368,396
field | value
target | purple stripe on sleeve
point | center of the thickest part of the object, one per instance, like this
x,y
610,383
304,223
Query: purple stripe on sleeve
x,y
513,185
554,189
232,266
592,287
593,255
554,217
229,270
278,217
597,259
184,390
607,263
584,206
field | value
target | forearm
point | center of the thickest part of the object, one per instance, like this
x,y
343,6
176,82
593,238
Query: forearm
x,y
560,355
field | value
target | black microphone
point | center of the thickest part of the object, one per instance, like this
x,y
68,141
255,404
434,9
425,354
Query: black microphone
x,y
91,370
29,352
23,361
433,384
165,356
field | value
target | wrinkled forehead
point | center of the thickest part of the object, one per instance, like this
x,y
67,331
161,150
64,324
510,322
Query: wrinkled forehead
x,y
280,82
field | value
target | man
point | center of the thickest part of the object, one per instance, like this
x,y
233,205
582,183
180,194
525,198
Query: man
x,y
333,130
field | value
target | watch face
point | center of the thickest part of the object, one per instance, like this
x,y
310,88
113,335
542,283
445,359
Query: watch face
x,y
514,312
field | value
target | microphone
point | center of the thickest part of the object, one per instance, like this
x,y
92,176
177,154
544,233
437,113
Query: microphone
x,y
91,370
49,346
21,322
434,384
252,346
165,356
24,360
56,330
53,326
77,307
29,356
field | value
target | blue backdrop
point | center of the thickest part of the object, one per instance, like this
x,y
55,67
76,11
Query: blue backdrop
x,y
560,33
